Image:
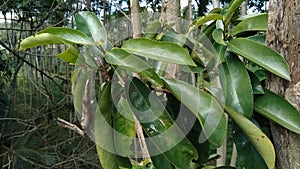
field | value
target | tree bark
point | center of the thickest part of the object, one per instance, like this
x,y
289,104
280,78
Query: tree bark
x,y
170,12
284,36
189,12
135,18
216,3
244,8
88,5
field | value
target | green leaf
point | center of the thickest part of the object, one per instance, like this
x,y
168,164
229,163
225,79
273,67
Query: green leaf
x,y
40,40
278,110
103,132
256,84
206,18
70,55
261,55
167,138
259,140
87,59
79,79
233,6
241,18
257,23
158,50
172,36
107,159
259,38
218,36
184,117
159,161
248,156
221,50
124,129
69,35
237,85
152,29
225,167
128,61
89,23
204,106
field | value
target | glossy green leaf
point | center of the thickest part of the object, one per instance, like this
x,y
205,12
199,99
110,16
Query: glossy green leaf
x,y
257,23
259,140
243,17
261,55
128,61
107,159
124,129
256,84
40,40
70,55
209,17
204,106
172,36
87,59
89,23
225,167
237,85
159,161
259,38
218,36
221,50
158,50
185,118
152,29
278,110
209,167
79,80
248,156
69,35
220,25
233,6
103,132
159,126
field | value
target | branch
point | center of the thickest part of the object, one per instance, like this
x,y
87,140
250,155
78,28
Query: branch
x,y
66,124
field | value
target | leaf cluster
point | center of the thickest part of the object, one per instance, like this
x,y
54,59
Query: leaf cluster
x,y
182,122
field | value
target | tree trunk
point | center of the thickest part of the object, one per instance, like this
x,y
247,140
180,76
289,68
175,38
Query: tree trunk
x,y
244,8
88,5
170,12
284,36
216,3
189,12
135,18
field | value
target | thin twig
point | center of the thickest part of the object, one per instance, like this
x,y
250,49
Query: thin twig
x,y
66,124
25,159
31,65
120,10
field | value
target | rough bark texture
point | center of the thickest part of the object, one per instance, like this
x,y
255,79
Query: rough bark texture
x,y
244,7
284,36
216,3
135,18
189,14
170,12
137,32
88,5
